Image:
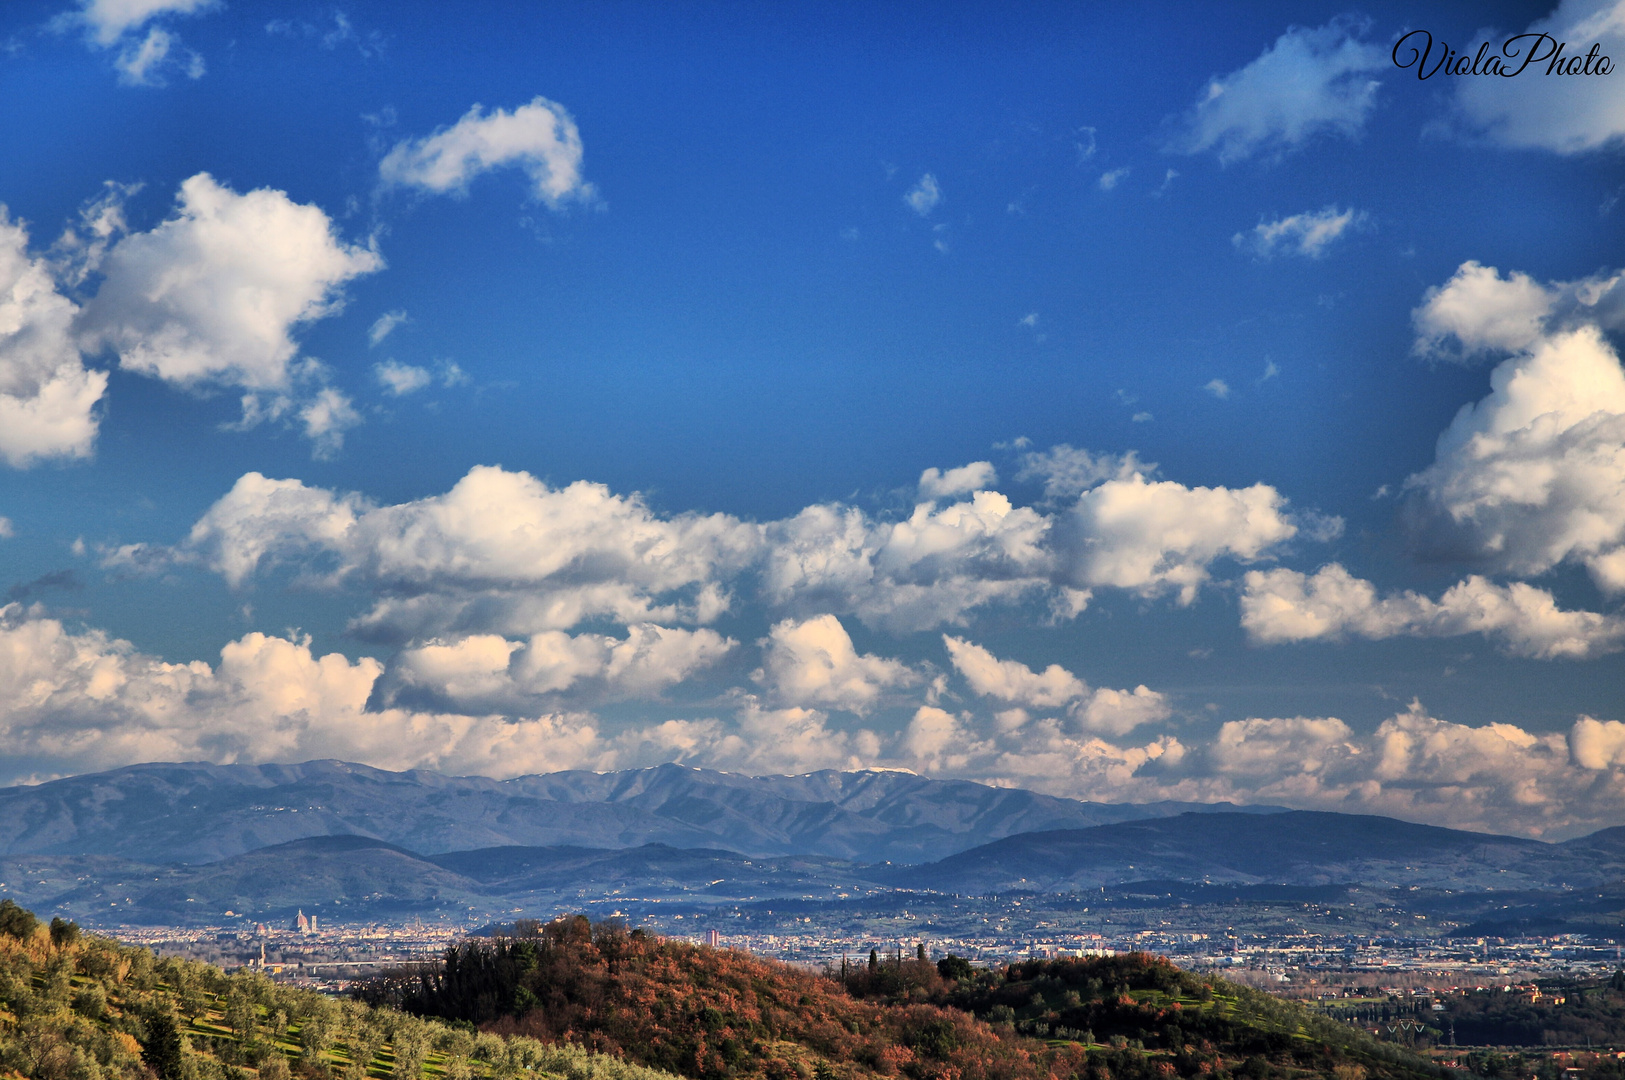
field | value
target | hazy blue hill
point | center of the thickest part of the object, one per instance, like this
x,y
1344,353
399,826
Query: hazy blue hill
x,y
650,868
335,875
1258,858
201,813
355,877
1296,848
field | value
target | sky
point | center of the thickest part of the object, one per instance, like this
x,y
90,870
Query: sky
x,y
1121,401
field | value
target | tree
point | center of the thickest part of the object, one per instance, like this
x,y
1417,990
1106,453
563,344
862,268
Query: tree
x,y
165,1048
63,932
19,922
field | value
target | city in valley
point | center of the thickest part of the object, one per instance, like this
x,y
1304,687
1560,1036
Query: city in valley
x,y
1288,949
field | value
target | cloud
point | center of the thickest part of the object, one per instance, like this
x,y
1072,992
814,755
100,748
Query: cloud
x,y
1109,180
1310,83
48,397
924,196
1532,475
7,530
1118,712
383,326
946,483
1068,472
1566,116
1478,313
213,294
142,60
74,702
1218,388
540,138
1011,680
1284,605
80,700
504,553
326,417
108,20
1112,712
486,673
1494,778
399,379
813,662
1157,536
927,570
1308,234
1597,744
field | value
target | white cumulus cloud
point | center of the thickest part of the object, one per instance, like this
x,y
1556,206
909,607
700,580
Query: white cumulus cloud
x,y
1311,82
1284,605
503,553
48,397
487,673
215,293
1011,680
813,662
946,483
1157,536
540,137
1533,474
1103,710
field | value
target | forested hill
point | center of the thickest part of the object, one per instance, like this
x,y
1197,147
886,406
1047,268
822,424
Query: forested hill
x,y
712,1014
78,1007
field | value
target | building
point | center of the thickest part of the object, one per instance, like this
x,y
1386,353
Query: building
x,y
713,939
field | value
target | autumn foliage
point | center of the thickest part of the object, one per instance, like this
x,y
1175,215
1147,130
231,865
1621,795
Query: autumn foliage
x,y
709,1013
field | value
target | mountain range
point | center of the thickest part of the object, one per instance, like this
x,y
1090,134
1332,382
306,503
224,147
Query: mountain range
x,y
198,813
184,844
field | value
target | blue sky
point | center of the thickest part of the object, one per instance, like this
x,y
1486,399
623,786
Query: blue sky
x,y
1063,396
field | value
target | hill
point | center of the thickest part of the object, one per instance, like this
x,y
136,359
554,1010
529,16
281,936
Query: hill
x,y
196,813
710,1014
357,877
1293,848
79,1007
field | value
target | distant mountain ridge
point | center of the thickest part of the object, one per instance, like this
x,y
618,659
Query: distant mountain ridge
x,y
197,812
1504,879
1298,847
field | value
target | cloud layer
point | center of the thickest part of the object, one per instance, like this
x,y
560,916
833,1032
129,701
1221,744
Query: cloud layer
x,y
80,700
504,553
